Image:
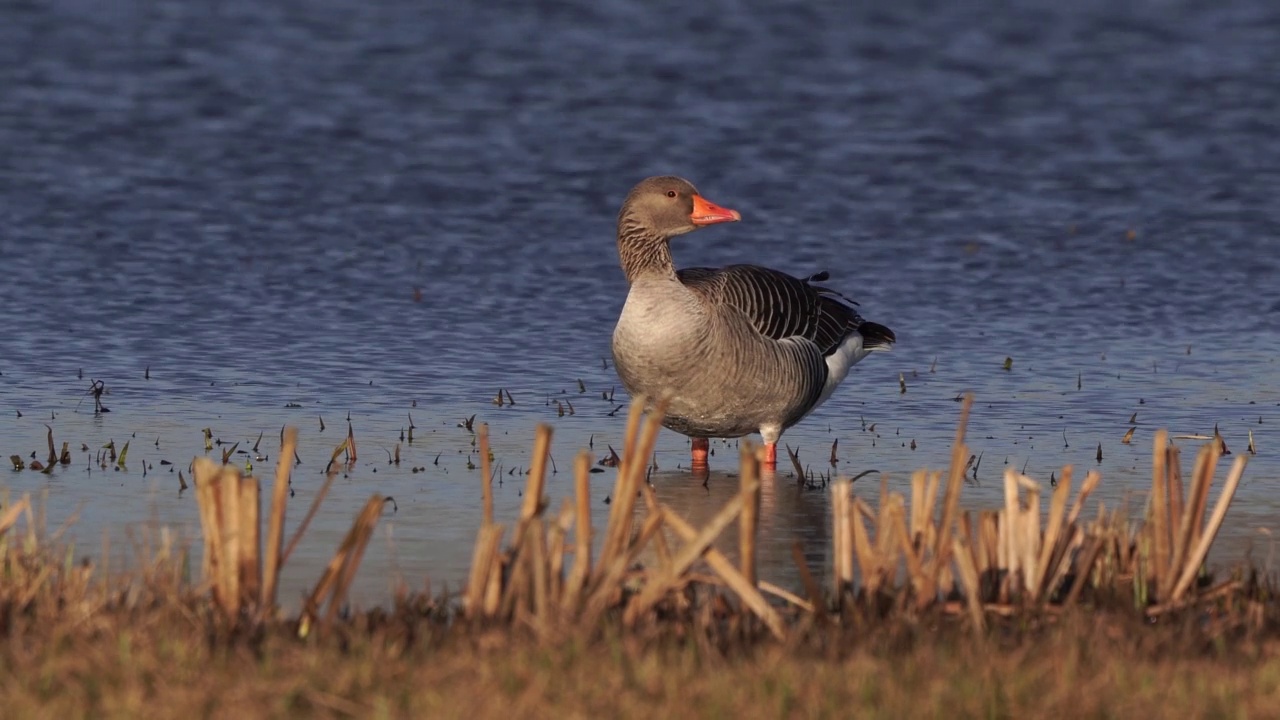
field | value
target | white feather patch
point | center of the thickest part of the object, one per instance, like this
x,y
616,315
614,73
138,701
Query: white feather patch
x,y
839,362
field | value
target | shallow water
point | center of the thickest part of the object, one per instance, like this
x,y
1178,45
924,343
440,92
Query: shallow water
x,y
290,211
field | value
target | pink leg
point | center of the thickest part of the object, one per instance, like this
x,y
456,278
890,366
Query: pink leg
x,y
771,456
701,449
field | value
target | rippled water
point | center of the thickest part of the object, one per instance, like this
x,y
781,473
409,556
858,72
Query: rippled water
x,y
300,210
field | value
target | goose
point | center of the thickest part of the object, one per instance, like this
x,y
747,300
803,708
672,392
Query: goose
x,y
735,350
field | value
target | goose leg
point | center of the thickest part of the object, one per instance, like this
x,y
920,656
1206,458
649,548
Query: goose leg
x,y
701,448
771,455
770,435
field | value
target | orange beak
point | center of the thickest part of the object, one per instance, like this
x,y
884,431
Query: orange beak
x,y
708,213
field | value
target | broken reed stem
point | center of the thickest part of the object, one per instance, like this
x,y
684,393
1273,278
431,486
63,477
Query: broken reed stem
x,y
250,540
735,580
811,587
486,487
609,583
1159,518
868,561
660,541
951,501
540,576
340,572
275,526
14,511
311,513
1009,522
581,532
1042,587
205,473
557,534
229,509
1173,476
1192,566
537,475
631,472
840,550
629,440
482,562
1193,512
969,578
656,588
749,487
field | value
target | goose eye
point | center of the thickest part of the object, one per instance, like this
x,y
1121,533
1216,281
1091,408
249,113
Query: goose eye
x,y
671,193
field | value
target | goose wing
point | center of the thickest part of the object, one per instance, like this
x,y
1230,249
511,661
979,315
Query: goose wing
x,y
782,306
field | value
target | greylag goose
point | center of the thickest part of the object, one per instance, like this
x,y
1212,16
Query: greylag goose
x,y
736,350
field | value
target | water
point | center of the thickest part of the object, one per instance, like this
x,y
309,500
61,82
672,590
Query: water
x,y
248,198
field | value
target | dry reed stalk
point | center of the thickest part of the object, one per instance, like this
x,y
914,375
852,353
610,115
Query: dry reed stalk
x,y
486,479
205,474
540,574
351,444
898,540
629,440
1009,525
1173,473
582,532
1159,518
969,578
886,541
1031,538
1193,511
868,561
229,509
656,588
841,553
556,550
930,505
517,586
918,480
1197,556
493,586
275,526
610,582
733,579
1053,531
811,587
1085,569
536,481
1063,559
784,594
990,536
11,515
522,570
1091,481
659,541
631,472
748,526
969,531
487,544
951,501
336,580
632,433
311,513
250,540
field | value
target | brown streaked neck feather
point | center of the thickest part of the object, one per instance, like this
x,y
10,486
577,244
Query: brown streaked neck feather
x,y
642,251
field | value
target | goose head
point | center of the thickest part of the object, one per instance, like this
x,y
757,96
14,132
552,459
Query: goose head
x,y
661,208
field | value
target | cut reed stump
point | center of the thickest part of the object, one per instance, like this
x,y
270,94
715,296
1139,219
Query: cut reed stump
x,y
244,575
921,552
526,583
1021,556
